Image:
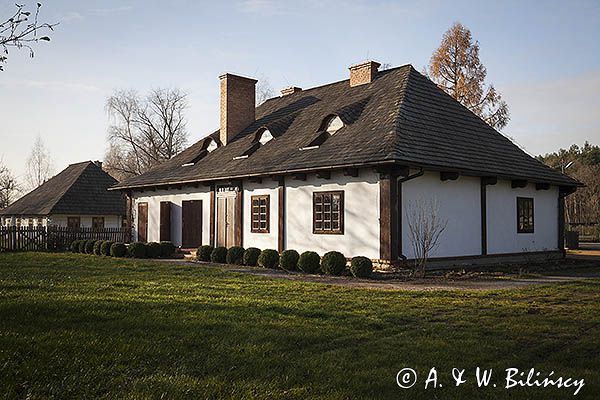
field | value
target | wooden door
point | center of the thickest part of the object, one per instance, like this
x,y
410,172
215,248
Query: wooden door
x,y
191,223
142,225
226,221
73,222
165,221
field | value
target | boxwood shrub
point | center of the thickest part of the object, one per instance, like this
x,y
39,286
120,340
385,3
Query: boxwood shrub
x,y
309,262
81,246
75,246
97,246
153,250
89,246
288,260
251,256
268,258
105,248
333,263
235,255
361,267
136,250
118,249
219,255
204,252
167,249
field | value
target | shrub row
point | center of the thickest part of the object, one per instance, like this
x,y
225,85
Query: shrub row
x,y
134,250
332,263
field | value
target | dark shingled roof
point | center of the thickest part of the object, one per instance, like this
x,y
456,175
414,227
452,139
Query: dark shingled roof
x,y
79,189
401,117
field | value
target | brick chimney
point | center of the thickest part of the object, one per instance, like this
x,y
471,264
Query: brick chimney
x,y
238,96
363,73
290,90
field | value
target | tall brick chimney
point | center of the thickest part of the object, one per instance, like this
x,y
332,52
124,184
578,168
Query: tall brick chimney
x,y
363,73
238,96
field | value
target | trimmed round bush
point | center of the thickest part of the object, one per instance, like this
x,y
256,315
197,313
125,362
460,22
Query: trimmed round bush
x,y
153,250
219,255
167,249
361,267
204,252
81,246
235,255
268,258
288,260
89,246
118,249
251,256
105,248
97,247
75,246
333,263
309,262
136,250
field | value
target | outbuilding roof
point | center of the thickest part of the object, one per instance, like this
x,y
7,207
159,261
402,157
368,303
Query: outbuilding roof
x,y
79,189
401,117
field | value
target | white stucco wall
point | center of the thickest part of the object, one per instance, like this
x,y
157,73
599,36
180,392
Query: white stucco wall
x,y
502,219
176,197
459,204
261,240
361,215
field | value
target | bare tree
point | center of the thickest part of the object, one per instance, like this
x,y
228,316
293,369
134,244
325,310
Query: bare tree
x,y
425,229
38,168
8,186
144,131
264,90
455,67
21,31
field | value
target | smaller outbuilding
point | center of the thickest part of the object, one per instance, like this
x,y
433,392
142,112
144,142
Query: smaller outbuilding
x,y
75,198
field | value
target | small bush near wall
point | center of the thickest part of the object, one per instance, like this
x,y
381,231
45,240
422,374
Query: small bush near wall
x,y
333,263
235,255
81,246
268,258
167,249
219,255
153,250
118,249
361,267
309,262
89,246
136,250
105,249
251,256
74,246
288,260
97,247
204,252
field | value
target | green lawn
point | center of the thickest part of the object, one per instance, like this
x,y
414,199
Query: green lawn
x,y
78,326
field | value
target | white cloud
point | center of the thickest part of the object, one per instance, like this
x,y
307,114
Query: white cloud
x,y
111,11
71,16
552,114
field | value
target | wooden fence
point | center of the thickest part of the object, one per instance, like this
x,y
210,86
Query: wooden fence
x,y
54,238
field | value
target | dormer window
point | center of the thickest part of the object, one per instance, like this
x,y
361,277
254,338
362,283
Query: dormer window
x,y
212,146
265,137
333,124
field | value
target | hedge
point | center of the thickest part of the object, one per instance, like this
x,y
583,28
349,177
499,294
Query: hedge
x,y
288,260
153,250
361,267
219,255
251,256
167,249
333,263
118,249
204,252
268,258
105,249
309,262
97,247
235,255
136,250
89,246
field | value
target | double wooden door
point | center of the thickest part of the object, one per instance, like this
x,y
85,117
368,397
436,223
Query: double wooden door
x,y
226,220
142,223
191,223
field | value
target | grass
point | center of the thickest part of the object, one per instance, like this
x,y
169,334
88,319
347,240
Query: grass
x,y
79,326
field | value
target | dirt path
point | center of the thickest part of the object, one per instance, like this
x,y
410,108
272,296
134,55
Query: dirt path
x,y
507,282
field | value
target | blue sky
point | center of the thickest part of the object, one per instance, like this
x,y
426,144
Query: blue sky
x,y
544,57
